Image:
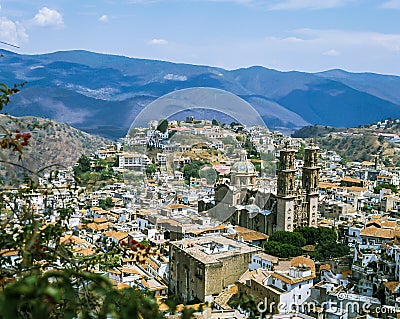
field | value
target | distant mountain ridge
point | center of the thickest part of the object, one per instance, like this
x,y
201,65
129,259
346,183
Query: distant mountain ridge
x,y
102,94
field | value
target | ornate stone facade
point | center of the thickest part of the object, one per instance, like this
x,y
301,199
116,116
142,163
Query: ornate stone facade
x,y
295,204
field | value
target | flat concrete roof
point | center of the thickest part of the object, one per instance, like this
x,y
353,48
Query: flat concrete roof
x,y
212,249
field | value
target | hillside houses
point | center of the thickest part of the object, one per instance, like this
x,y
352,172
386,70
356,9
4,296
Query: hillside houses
x,y
156,211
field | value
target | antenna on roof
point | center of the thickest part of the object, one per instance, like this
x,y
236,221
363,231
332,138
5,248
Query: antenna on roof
x,y
11,45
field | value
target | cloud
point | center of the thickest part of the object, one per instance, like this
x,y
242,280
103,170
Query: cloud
x,y
272,4
392,4
12,32
175,77
48,18
104,18
347,38
307,4
331,52
158,42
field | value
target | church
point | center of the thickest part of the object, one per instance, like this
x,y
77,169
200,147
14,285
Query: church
x,y
242,202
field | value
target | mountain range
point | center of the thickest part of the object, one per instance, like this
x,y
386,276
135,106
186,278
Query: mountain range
x,y
102,94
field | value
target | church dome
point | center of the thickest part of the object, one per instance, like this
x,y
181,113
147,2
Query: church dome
x,y
243,166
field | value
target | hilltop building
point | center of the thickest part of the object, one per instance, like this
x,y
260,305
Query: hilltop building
x,y
241,202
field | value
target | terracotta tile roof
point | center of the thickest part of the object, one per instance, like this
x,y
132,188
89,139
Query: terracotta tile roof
x,y
233,290
351,179
373,231
84,251
392,286
384,223
367,163
346,273
99,220
95,226
198,231
152,264
72,239
248,234
325,267
118,235
301,260
153,284
327,185
356,188
8,253
290,280
122,285
282,265
175,206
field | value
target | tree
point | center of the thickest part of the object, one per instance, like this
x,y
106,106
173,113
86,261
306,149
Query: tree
x,y
281,250
162,126
310,234
301,151
151,169
330,249
106,203
83,165
192,169
286,237
379,187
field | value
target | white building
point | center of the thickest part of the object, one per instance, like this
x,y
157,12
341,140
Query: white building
x,y
133,161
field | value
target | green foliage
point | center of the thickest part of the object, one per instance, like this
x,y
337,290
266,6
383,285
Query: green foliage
x,y
282,250
327,235
209,173
162,126
248,303
89,172
286,237
329,249
392,187
54,294
288,244
314,131
145,242
228,140
301,151
83,165
106,203
380,294
6,92
251,150
310,234
151,169
192,169
313,235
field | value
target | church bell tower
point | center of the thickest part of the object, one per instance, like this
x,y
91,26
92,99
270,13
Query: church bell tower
x,y
310,181
286,190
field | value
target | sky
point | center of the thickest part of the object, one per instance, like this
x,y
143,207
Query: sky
x,y
303,35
